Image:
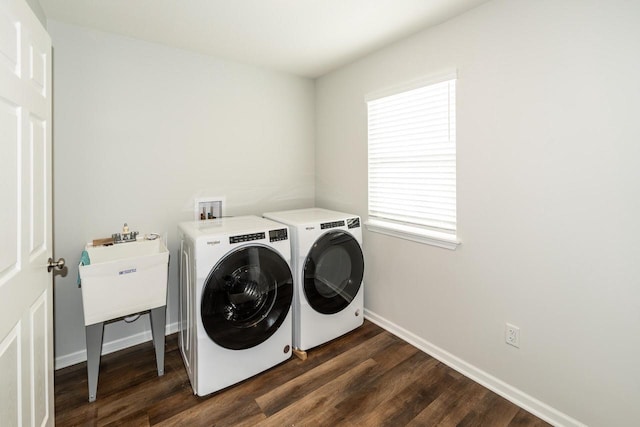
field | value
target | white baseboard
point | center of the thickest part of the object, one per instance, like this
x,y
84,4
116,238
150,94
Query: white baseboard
x,y
111,346
518,397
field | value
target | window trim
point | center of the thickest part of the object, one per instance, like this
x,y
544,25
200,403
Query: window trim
x,y
415,234
411,84
410,232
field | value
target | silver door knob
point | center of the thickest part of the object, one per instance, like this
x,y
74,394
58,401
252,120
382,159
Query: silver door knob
x,y
55,264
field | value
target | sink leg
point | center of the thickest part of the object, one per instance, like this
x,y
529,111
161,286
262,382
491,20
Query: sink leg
x,y
94,349
158,320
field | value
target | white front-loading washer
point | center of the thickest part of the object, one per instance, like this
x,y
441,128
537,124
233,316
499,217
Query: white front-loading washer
x,y
236,290
328,266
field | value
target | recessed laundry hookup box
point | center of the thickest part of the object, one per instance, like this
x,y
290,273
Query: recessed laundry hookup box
x,y
124,279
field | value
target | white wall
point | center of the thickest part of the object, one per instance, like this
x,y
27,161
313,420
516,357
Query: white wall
x,y
36,7
141,130
548,202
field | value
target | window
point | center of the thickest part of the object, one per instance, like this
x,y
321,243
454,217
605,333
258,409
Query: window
x,y
412,162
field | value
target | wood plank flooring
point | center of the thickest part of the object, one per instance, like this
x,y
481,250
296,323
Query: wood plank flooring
x,y
366,378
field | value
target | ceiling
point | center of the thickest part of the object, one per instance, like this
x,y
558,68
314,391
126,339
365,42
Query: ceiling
x,y
303,37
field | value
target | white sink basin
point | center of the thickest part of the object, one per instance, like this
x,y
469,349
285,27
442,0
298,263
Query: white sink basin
x,y
124,279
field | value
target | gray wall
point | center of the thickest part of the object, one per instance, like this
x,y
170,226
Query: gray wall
x,y
141,130
548,202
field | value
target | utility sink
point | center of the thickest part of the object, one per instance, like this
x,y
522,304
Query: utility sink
x,y
118,280
124,279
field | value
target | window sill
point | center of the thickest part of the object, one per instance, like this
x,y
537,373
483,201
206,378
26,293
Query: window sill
x,y
415,234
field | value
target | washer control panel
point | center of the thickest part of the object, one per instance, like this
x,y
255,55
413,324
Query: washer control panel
x,y
246,237
278,235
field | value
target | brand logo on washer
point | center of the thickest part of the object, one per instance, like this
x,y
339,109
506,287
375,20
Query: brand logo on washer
x,y
309,228
213,242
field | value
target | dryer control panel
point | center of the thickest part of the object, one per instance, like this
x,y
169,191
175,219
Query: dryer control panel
x,y
353,223
333,224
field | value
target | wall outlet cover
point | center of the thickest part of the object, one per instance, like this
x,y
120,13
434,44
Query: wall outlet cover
x,y
512,335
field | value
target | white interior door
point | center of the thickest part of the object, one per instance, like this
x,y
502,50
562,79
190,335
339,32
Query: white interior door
x,y
26,303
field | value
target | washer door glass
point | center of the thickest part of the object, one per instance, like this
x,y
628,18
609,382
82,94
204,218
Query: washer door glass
x,y
333,272
246,297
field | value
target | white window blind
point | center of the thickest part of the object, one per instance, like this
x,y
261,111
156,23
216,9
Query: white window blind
x,y
412,158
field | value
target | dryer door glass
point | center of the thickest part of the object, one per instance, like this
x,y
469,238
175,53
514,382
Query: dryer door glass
x,y
333,272
246,297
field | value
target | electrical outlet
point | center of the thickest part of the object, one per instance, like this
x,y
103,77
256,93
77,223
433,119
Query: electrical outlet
x,y
512,335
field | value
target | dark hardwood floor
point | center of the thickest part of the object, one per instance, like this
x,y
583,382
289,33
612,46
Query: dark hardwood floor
x,y
366,378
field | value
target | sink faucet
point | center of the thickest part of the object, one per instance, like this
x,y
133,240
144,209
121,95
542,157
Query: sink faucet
x,y
125,236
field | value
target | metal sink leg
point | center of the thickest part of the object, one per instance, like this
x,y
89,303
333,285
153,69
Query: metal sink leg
x,y
94,349
158,319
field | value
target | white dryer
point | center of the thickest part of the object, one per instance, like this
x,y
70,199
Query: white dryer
x,y
328,267
236,290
